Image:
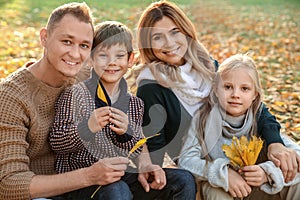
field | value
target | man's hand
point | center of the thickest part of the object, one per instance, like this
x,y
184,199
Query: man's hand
x,y
107,170
286,159
152,177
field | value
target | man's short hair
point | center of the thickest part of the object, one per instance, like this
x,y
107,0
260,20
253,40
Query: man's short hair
x,y
81,11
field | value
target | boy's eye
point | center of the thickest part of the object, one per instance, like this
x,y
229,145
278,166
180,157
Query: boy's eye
x,y
102,55
121,55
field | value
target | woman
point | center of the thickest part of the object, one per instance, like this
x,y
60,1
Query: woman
x,y
174,78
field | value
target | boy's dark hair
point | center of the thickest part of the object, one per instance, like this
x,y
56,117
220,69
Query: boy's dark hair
x,y
110,33
81,11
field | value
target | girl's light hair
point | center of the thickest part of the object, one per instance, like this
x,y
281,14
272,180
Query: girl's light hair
x,y
234,62
196,54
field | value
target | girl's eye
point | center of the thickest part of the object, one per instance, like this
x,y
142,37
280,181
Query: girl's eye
x,y
245,89
227,87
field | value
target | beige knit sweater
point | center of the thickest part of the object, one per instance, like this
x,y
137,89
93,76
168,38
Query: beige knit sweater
x,y
26,113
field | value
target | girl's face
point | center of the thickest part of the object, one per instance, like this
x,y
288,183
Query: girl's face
x,y
236,91
168,43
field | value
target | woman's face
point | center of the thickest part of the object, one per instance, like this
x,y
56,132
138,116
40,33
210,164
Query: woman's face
x,y
168,43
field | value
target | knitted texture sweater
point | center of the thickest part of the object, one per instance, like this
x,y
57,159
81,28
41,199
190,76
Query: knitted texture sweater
x,y
27,112
76,146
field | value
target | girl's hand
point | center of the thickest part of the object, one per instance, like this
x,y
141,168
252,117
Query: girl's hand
x,y
119,119
237,185
254,175
99,119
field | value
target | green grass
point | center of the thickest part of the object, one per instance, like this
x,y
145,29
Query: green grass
x,y
34,13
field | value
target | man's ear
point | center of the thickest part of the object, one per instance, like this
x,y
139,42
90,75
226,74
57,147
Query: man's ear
x,y
131,60
43,36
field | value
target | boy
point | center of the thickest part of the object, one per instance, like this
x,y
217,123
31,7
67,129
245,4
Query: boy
x,y
91,120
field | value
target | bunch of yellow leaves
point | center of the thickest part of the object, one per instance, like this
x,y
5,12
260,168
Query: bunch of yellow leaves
x,y
242,152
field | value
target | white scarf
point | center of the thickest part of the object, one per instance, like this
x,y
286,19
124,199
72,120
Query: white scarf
x,y
191,92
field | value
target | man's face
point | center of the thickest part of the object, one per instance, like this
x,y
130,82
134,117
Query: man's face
x,y
67,46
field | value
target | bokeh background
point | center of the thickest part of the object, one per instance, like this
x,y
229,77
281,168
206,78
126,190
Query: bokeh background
x,y
269,30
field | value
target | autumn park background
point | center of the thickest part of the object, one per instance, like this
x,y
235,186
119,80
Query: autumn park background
x,y
268,29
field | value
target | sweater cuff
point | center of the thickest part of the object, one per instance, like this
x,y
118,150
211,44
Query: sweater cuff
x,y
84,132
217,174
275,177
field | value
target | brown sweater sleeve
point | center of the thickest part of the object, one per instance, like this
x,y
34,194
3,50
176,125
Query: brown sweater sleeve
x,y
14,163
27,111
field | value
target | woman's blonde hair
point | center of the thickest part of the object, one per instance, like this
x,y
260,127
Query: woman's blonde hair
x,y
234,62
196,54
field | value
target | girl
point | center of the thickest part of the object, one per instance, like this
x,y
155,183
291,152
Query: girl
x,y
174,79
237,93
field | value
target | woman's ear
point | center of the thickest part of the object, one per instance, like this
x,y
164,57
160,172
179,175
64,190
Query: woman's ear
x,y
131,60
43,36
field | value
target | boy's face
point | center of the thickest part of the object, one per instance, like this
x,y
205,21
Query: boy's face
x,y
236,91
67,46
111,63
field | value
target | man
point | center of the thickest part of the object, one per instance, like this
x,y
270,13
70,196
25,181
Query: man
x,y
27,111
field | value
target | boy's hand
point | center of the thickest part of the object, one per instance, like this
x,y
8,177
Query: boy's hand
x,y
99,119
152,177
237,185
120,120
287,159
254,175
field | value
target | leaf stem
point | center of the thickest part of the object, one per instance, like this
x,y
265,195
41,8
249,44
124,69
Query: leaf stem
x,y
95,192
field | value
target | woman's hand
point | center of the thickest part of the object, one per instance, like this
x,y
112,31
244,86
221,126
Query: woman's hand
x,y
287,159
152,177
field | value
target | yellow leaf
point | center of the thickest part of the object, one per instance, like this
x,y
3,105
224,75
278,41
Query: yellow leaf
x,y
140,143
